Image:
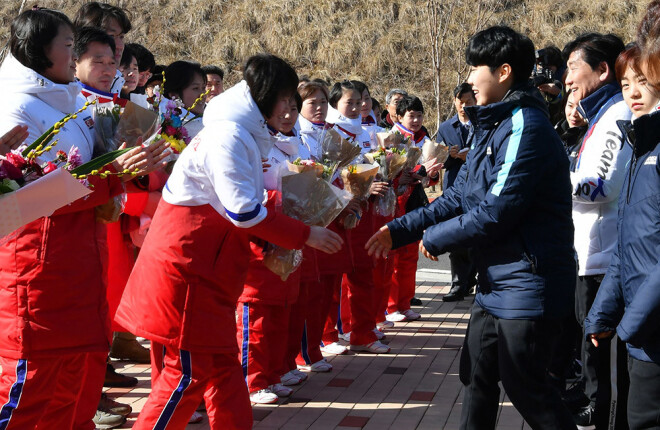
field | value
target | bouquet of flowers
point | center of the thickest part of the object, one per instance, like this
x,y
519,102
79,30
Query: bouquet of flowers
x,y
171,126
309,199
321,170
31,188
336,151
392,139
391,162
357,180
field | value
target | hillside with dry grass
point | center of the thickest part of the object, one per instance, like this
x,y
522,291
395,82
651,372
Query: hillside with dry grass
x,y
386,43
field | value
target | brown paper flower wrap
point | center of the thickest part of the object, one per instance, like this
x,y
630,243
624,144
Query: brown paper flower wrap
x,y
357,180
311,200
436,150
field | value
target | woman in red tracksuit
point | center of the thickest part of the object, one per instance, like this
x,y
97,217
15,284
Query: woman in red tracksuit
x,y
183,291
53,312
345,101
264,307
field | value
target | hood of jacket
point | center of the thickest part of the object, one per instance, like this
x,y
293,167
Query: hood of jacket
x,y
521,95
591,105
353,126
15,78
236,105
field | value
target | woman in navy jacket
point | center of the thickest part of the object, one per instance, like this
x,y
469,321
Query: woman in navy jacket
x,y
628,300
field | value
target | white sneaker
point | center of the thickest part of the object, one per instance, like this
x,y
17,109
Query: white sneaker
x,y
263,397
334,348
290,378
395,317
319,366
411,315
299,374
374,347
345,337
379,334
281,390
385,324
196,418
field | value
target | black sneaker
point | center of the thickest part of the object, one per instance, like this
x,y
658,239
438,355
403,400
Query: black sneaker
x,y
415,302
584,418
574,397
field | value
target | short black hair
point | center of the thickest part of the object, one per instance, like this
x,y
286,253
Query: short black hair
x,y
86,35
269,77
463,88
126,57
499,45
409,103
550,56
214,70
338,89
596,48
144,57
299,101
179,75
98,14
361,86
31,33
156,74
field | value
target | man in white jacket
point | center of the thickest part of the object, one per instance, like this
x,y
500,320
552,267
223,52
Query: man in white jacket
x,y
597,174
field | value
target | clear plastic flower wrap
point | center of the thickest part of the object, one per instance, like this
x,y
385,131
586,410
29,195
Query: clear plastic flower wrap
x,y
385,205
436,150
390,163
114,125
357,180
309,199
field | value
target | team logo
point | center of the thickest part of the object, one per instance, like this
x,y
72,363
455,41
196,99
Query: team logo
x,y
652,160
89,122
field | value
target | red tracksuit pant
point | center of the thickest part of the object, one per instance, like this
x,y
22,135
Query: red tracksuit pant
x,y
262,332
403,279
51,393
188,377
319,297
358,287
383,273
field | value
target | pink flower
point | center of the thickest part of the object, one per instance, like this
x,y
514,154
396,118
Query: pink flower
x,y
8,170
170,131
74,158
50,167
16,159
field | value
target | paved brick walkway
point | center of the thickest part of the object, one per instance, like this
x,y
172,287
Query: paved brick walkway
x,y
415,386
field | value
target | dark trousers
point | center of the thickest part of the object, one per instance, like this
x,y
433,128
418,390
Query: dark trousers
x,y
515,352
644,395
463,272
596,363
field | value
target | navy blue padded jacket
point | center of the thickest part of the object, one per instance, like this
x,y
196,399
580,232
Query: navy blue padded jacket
x,y
511,204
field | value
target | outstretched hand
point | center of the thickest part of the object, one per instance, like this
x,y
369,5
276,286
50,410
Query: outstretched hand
x,y
143,159
324,240
425,253
13,138
380,243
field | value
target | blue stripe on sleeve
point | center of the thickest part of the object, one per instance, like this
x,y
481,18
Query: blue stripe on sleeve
x,y
518,124
247,216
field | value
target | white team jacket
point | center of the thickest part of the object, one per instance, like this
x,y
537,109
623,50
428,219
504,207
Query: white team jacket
x,y
222,165
32,100
597,183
